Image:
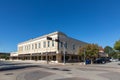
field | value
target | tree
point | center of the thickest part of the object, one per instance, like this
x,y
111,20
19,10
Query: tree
x,y
89,51
117,45
4,56
114,55
108,50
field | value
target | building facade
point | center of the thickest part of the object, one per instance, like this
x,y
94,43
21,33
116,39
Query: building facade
x,y
51,47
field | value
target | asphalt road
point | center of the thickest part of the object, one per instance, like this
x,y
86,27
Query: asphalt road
x,y
14,70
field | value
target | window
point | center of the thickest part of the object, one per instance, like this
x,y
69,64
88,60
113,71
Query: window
x,y
44,44
39,45
32,46
65,52
35,46
20,48
25,48
52,43
73,46
61,44
48,43
66,45
29,46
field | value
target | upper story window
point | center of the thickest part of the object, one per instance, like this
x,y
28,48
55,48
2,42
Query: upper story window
x,y
73,46
53,44
35,46
66,45
21,48
32,46
44,44
26,47
39,45
48,43
65,52
61,44
29,47
79,46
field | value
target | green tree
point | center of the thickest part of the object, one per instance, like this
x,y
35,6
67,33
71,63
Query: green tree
x,y
114,55
117,45
108,50
4,56
89,51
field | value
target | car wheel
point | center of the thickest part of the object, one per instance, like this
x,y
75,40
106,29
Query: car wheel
x,y
103,62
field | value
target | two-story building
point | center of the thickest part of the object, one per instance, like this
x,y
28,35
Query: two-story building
x,y
57,48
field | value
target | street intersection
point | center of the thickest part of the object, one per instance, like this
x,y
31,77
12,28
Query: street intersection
x,y
20,70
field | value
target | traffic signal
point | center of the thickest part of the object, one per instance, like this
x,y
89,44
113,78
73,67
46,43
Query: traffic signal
x,y
57,40
49,38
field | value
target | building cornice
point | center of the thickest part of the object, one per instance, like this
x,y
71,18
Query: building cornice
x,y
50,34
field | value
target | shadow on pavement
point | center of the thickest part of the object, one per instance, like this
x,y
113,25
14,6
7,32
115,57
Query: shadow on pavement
x,y
16,67
73,78
59,69
7,63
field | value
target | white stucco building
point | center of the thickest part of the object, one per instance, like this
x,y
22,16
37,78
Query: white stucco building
x,y
51,50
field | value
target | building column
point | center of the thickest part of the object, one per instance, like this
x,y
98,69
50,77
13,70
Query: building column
x,y
78,57
70,57
37,57
30,56
51,57
41,57
59,57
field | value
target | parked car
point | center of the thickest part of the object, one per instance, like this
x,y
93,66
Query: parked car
x,y
107,59
114,60
100,61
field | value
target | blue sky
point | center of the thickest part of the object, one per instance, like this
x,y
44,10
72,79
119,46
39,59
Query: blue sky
x,y
92,21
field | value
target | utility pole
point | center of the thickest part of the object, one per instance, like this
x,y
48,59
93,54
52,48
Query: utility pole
x,y
84,58
48,38
64,52
47,57
57,40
